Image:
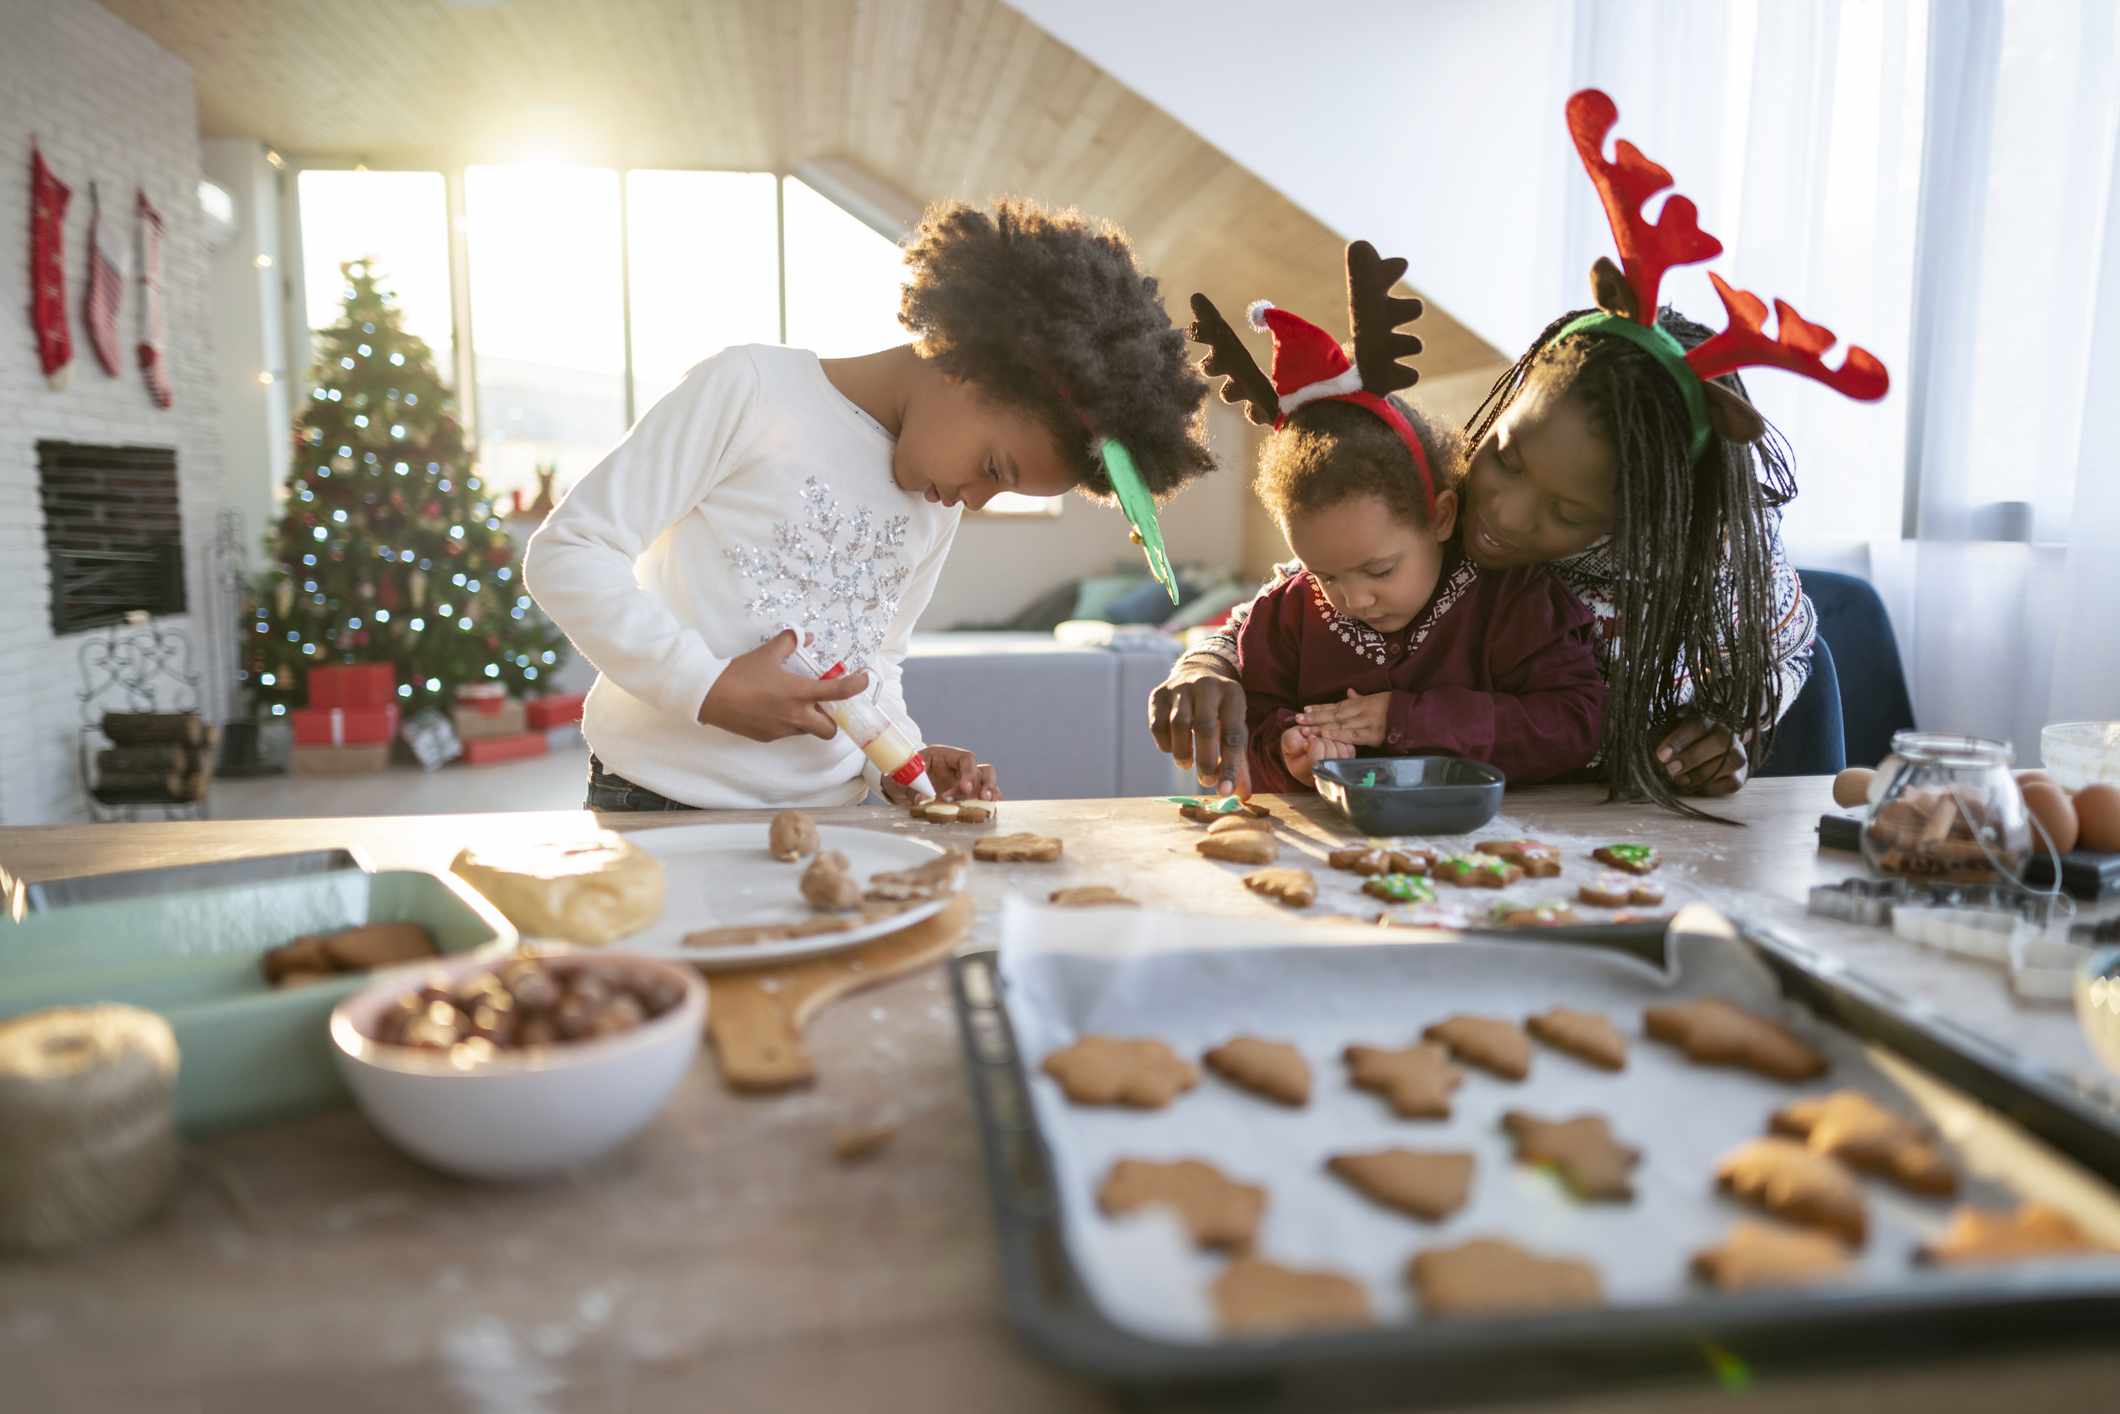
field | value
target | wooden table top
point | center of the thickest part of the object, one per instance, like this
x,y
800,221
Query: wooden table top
x,y
722,1261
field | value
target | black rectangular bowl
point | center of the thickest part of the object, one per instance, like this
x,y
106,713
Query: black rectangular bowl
x,y
1413,795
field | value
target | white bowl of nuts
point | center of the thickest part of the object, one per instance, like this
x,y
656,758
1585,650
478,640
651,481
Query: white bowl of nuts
x,y
521,1068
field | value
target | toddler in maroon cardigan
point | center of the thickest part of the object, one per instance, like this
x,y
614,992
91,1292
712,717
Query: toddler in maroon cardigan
x,y
1386,640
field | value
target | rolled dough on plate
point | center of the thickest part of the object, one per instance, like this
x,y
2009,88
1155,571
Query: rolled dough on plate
x,y
592,891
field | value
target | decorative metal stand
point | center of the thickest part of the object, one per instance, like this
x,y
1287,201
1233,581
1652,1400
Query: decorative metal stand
x,y
137,666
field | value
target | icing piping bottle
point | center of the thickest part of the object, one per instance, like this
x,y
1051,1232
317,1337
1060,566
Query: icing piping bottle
x,y
895,750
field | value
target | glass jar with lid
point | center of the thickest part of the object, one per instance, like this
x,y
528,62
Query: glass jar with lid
x,y
1949,812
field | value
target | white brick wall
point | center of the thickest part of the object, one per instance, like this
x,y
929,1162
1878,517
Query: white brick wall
x,y
104,103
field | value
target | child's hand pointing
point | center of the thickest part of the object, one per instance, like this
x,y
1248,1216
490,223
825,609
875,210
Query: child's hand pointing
x,y
757,697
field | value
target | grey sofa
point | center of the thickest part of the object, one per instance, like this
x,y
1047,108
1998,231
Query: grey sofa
x,y
1057,722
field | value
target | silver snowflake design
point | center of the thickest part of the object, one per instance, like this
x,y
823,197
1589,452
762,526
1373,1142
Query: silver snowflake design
x,y
837,574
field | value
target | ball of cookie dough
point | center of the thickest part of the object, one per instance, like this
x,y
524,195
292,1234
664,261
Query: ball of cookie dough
x,y
828,884
791,836
592,891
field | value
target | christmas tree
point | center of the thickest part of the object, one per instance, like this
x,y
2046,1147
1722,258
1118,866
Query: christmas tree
x,y
387,551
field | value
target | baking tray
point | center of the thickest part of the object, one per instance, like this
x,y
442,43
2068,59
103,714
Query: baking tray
x,y
36,897
1697,1339
248,1053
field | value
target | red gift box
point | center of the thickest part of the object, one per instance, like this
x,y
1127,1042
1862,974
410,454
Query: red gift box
x,y
353,685
344,726
490,749
558,710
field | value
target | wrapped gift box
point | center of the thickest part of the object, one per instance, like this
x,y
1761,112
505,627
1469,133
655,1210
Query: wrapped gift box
x,y
353,685
506,719
485,751
344,726
338,760
557,710
486,698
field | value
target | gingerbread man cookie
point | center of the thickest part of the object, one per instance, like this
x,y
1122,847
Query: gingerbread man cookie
x,y
1713,1032
1417,1080
1593,1164
1399,888
1537,860
1477,871
1619,890
1849,1126
1627,858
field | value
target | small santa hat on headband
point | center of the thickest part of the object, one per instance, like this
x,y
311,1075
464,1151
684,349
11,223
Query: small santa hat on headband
x,y
1308,363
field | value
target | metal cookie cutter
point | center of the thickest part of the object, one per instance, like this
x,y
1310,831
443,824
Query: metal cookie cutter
x,y
1865,901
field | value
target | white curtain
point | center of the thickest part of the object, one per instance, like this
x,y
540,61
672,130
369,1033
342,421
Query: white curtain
x,y
1933,179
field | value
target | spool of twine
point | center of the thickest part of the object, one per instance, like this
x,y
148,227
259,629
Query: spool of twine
x,y
88,1143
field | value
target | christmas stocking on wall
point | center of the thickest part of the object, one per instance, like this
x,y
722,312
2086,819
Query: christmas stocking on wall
x,y
106,287
154,361
47,268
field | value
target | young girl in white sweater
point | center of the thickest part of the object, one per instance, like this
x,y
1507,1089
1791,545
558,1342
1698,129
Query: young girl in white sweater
x,y
773,490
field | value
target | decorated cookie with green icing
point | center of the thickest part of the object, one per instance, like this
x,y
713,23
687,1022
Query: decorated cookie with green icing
x,y
1632,858
1478,871
1400,888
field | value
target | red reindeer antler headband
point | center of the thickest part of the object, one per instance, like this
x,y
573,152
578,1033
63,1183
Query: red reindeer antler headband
x,y
1626,296
1310,366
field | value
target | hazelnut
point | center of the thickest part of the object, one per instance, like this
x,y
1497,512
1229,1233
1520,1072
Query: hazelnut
x,y
574,1016
536,1031
493,1023
621,1013
534,989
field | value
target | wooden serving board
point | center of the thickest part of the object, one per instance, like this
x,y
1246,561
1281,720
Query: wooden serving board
x,y
755,1015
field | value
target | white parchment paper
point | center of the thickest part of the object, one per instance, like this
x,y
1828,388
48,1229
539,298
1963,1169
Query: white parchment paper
x,y
1069,973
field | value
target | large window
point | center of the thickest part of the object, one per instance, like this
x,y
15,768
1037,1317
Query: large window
x,y
591,292
397,220
548,334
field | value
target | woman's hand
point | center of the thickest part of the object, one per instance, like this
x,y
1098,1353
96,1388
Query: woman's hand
x,y
1303,748
1361,720
1703,758
957,774
1197,716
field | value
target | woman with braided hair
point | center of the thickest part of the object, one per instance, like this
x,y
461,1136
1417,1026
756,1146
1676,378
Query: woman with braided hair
x,y
773,491
1621,451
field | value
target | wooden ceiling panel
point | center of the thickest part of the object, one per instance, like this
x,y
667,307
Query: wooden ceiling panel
x,y
937,98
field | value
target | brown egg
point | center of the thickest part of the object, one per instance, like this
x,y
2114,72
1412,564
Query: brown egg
x,y
2050,807
2030,774
2098,811
1852,786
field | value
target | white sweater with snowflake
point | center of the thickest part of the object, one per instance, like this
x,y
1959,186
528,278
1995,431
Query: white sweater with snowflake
x,y
754,496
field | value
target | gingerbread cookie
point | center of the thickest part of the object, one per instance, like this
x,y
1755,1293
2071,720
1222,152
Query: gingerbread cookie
x,y
1620,890
1713,1032
1400,888
791,836
2033,1230
1496,1046
827,885
1136,1071
1849,1126
1430,1185
1229,824
976,812
1208,814
1593,1164
1417,1080
1582,1034
1369,860
1294,887
1274,1069
743,934
1477,871
1017,849
1253,1296
1757,1255
1090,896
1627,858
1240,847
1489,1276
1537,860
1217,1211
939,876
1795,1185
936,812
1538,915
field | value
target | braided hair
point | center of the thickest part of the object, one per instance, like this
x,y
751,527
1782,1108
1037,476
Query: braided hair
x,y
1691,544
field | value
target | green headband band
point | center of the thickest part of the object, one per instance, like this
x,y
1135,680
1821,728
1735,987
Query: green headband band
x,y
1656,341
1140,509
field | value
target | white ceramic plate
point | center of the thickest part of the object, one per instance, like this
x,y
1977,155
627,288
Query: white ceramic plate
x,y
718,876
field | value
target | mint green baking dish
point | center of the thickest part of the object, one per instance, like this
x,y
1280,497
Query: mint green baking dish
x,y
248,1054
